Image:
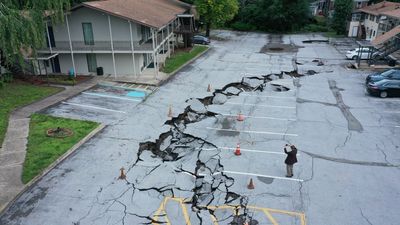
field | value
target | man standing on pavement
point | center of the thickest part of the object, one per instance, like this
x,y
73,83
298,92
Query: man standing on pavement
x,y
291,159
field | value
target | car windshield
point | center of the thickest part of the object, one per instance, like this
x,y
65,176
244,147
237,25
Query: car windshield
x,y
387,73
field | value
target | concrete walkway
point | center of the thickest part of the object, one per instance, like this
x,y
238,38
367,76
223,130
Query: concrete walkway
x,y
12,153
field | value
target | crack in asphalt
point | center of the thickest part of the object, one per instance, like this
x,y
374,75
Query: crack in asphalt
x,y
348,161
175,144
366,219
352,122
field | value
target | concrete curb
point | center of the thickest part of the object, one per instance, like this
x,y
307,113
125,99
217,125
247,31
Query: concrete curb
x,y
52,166
172,74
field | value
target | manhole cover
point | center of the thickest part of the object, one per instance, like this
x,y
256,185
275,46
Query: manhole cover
x,y
59,132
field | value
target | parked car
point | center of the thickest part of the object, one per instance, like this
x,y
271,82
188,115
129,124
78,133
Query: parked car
x,y
198,39
392,74
365,53
384,88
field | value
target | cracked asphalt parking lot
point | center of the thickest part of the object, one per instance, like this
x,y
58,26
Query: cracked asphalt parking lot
x,y
182,170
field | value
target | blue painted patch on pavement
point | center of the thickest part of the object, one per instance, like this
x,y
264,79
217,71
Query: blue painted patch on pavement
x,y
136,94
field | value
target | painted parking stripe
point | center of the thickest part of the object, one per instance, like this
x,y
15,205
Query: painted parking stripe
x,y
260,105
245,150
258,175
252,132
110,96
259,117
92,107
397,126
268,96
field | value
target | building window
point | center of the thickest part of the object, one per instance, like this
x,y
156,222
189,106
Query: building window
x,y
88,33
373,34
91,62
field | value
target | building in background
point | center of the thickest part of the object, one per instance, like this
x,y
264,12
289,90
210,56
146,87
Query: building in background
x,y
113,37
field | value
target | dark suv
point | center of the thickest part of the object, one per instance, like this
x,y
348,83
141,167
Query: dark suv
x,y
392,74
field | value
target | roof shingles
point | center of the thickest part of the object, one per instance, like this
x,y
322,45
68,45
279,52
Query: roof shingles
x,y
153,13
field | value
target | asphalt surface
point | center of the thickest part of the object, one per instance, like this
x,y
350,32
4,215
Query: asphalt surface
x,y
182,170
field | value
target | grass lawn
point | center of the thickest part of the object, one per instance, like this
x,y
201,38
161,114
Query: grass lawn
x,y
43,150
181,57
17,94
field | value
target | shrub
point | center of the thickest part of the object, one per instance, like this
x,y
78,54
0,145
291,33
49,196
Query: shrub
x,y
243,26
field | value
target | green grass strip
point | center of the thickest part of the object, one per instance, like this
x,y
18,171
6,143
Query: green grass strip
x,y
180,58
17,94
43,150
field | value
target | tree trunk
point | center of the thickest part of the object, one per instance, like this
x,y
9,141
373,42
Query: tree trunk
x,y
208,27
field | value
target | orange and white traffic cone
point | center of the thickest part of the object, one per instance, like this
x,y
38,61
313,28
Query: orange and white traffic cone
x,y
122,175
240,117
251,184
237,151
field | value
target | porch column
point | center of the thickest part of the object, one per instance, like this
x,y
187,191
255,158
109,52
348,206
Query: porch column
x,y
70,46
48,37
169,46
133,53
112,46
154,53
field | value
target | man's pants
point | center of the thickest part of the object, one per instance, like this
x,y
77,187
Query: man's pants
x,y
289,170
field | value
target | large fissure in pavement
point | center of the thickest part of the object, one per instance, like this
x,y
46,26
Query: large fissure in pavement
x,y
175,145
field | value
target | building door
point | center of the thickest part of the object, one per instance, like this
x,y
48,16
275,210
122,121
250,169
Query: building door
x,y
56,65
354,32
91,62
88,33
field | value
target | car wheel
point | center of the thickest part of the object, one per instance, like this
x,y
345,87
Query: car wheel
x,y
354,57
203,43
383,94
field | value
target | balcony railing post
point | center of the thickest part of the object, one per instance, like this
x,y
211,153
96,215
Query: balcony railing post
x,y
133,53
70,45
112,46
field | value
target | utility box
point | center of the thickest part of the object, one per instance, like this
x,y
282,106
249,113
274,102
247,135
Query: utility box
x,y
100,71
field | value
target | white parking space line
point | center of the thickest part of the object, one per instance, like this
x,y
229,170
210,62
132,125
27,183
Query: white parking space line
x,y
92,107
259,117
268,96
260,105
246,150
252,132
110,96
397,126
258,175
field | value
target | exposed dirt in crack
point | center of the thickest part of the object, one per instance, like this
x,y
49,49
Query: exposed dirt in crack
x,y
275,45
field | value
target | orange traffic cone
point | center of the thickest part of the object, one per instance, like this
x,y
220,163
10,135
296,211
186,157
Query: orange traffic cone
x,y
122,175
209,88
237,151
240,117
250,185
170,111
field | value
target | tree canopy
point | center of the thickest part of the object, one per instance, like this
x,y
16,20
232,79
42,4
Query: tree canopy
x,y
341,15
216,12
274,15
23,25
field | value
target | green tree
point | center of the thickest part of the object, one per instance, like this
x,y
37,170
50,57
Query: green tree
x,y
216,12
274,15
341,15
22,25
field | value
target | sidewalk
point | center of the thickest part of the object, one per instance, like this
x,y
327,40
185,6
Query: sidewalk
x,y
12,153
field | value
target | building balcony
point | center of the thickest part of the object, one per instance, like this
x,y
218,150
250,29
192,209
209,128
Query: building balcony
x,y
101,46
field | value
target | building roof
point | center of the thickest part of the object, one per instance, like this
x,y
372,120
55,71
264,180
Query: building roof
x,y
386,36
393,13
379,8
152,13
